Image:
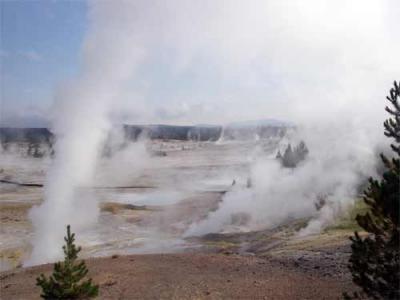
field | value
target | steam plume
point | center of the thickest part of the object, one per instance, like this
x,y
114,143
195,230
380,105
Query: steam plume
x,y
322,64
81,126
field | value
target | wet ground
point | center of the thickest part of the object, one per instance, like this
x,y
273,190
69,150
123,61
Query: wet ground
x,y
148,196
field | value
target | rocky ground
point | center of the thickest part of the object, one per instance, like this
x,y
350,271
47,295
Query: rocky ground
x,y
189,276
269,264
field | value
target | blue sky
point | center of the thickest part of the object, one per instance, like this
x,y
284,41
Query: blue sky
x,y
40,46
40,49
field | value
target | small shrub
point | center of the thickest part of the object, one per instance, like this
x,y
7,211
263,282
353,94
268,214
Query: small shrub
x,y
67,280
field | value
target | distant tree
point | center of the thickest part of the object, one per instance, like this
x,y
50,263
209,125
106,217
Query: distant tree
x,y
36,151
288,159
278,155
29,151
291,158
249,183
67,282
301,151
375,258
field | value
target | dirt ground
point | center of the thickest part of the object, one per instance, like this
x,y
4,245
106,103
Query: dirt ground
x,y
266,264
188,276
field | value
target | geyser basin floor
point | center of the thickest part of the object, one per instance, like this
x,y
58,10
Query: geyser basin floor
x,y
192,173
172,192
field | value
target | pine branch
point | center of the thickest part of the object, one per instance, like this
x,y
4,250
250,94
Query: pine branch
x,y
375,259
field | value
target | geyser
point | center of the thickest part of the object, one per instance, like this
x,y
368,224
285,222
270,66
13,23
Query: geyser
x,y
81,124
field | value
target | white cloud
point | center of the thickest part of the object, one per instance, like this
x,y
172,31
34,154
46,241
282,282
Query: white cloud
x,y
288,59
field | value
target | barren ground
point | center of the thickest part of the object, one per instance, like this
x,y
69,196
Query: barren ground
x,y
188,276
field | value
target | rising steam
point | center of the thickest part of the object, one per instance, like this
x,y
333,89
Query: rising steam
x,y
333,172
324,65
81,126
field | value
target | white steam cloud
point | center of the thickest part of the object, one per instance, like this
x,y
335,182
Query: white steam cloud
x,y
339,159
323,64
81,126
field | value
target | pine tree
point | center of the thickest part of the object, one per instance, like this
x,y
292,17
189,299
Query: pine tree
x,y
278,155
288,160
290,157
375,259
67,282
301,151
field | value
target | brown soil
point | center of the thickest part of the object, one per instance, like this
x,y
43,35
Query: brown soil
x,y
13,212
188,276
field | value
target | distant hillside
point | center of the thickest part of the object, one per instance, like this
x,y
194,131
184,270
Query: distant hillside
x,y
234,131
172,132
131,132
255,129
36,142
25,135
260,123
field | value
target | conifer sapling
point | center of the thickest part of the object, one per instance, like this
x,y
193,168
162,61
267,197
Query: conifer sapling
x,y
67,280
